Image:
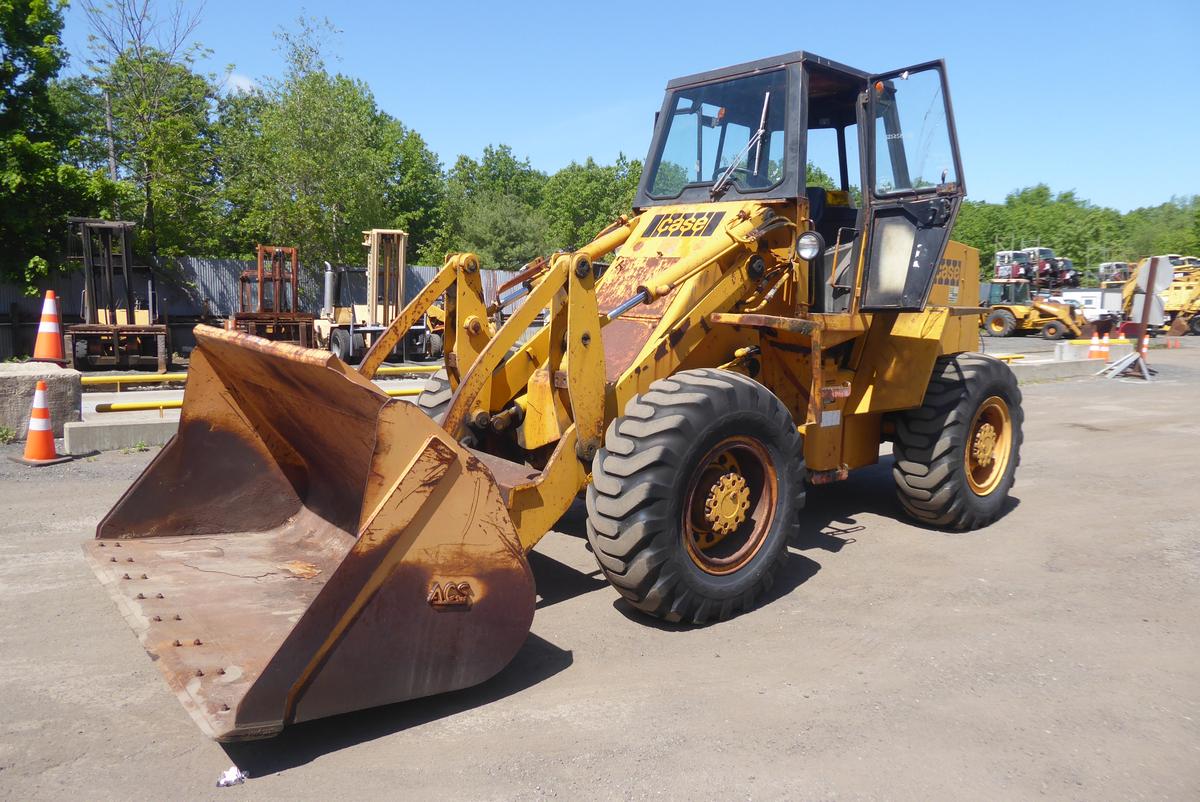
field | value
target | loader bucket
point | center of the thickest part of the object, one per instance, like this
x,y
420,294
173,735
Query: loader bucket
x,y
307,546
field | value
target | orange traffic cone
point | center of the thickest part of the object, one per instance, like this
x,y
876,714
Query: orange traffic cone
x,y
1104,347
39,442
1145,345
49,346
1094,351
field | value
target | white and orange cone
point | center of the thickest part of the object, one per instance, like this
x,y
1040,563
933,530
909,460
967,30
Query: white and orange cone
x,y
1094,350
39,442
1104,344
1145,349
49,345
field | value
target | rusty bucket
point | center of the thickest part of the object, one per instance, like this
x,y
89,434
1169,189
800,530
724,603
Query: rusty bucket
x,y
307,546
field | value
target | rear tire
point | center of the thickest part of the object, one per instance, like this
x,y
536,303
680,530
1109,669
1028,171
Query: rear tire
x,y
435,396
951,472
695,494
1194,324
999,323
435,346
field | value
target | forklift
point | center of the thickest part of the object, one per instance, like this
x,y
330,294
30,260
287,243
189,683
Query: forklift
x,y
121,325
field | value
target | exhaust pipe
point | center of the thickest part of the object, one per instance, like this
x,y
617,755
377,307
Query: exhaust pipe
x,y
330,290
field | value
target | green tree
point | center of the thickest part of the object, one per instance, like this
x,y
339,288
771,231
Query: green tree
x,y
160,109
505,232
580,200
38,190
312,161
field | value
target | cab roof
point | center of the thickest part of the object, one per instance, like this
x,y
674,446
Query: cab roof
x,y
763,64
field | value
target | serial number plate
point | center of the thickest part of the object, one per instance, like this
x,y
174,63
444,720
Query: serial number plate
x,y
684,224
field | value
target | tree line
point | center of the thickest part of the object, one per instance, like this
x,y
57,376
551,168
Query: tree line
x,y
310,159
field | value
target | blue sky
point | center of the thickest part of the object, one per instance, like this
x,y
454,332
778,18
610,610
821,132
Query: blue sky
x,y
1099,97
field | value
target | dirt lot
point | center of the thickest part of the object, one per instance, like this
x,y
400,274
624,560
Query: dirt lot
x,y
1056,654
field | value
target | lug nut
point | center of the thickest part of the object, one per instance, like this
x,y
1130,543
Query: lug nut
x,y
197,642
221,671
145,577
158,595
141,595
176,643
157,618
199,673
124,576
128,559
112,559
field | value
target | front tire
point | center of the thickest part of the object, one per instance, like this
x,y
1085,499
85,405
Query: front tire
x,y
339,344
1054,330
957,453
695,494
435,396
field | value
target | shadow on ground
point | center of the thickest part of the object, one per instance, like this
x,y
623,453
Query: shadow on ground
x,y
302,743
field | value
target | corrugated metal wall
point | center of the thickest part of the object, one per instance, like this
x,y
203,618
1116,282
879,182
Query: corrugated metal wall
x,y
187,287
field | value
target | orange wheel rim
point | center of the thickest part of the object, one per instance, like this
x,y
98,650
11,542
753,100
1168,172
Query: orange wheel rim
x,y
989,446
729,506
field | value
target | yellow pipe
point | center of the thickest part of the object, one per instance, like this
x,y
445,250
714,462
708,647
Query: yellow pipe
x,y
138,406
142,406
166,378
397,370
149,378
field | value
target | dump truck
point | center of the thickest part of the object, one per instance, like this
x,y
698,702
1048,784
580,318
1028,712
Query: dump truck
x,y
307,545
1012,309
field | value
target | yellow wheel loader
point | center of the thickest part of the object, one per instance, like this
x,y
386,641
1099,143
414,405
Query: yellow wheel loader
x,y
307,545
1181,301
1012,309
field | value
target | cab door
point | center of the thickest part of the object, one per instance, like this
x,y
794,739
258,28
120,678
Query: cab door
x,y
914,185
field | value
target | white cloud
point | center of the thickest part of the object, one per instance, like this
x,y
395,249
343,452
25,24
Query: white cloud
x,y
238,83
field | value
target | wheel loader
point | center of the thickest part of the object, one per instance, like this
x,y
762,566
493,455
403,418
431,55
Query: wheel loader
x,y
1012,309
307,545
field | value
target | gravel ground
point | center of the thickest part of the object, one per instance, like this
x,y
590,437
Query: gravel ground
x,y
1054,655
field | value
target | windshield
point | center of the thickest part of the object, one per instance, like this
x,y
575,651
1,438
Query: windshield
x,y
709,129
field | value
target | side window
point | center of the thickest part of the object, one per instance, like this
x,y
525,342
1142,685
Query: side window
x,y
824,169
912,135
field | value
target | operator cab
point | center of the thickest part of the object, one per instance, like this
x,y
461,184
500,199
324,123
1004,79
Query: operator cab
x,y
794,129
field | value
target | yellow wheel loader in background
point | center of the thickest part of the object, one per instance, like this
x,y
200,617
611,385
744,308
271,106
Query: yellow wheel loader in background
x,y
307,545
1012,309
1181,301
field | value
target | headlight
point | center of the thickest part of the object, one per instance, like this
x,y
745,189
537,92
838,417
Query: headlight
x,y
809,245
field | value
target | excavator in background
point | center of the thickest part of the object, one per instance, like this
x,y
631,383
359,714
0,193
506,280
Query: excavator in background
x,y
307,545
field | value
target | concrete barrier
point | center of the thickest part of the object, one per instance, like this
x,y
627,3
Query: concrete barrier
x,y
85,437
1028,372
17,383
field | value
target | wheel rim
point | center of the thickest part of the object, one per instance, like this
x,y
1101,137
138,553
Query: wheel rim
x,y
997,324
729,505
989,446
